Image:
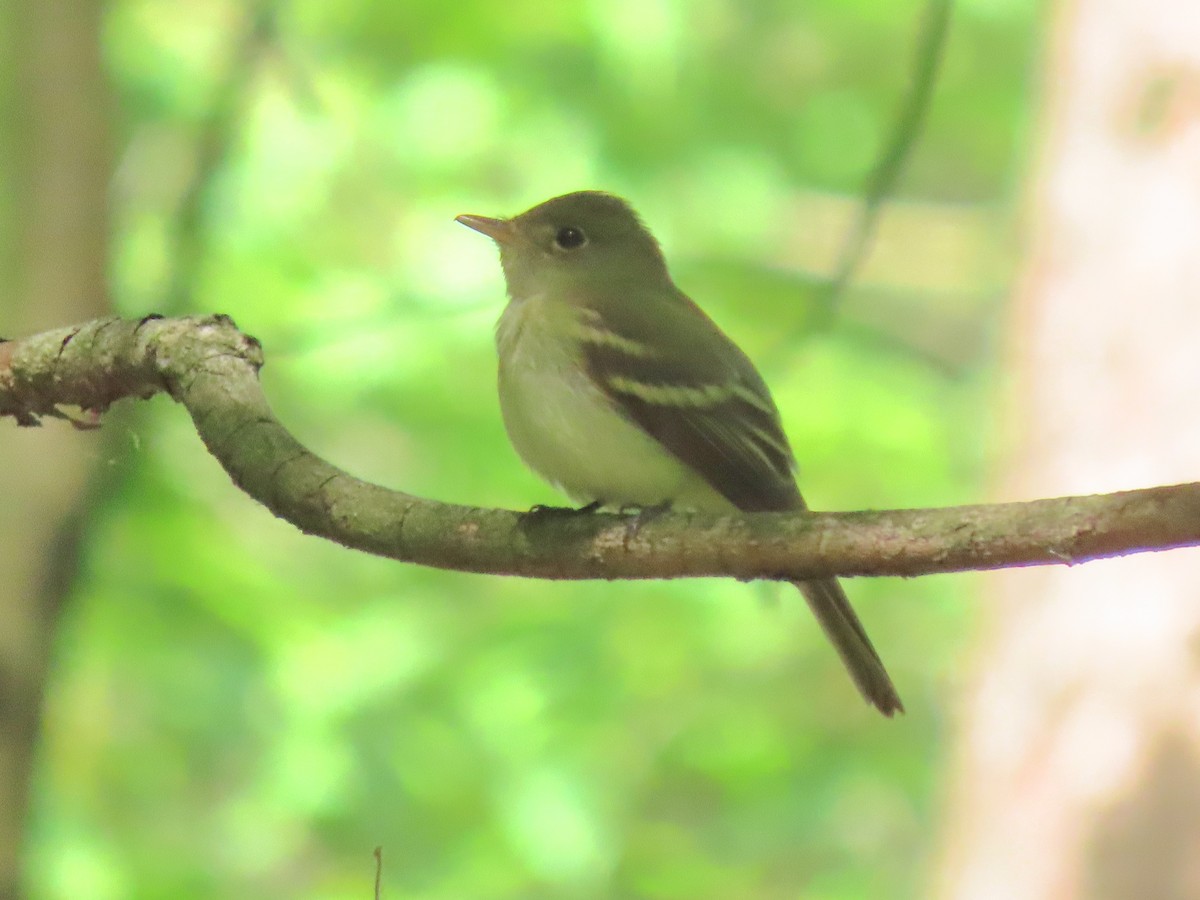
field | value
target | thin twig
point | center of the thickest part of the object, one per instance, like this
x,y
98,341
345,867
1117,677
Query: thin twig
x,y
218,134
881,183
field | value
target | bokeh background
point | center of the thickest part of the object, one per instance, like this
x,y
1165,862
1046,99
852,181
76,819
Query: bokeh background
x,y
232,709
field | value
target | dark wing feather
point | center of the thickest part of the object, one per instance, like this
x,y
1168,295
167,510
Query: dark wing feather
x,y
668,368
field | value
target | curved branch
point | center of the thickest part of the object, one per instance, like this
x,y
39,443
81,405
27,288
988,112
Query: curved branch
x,y
212,369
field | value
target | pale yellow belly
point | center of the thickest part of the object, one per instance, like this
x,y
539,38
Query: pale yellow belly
x,y
568,431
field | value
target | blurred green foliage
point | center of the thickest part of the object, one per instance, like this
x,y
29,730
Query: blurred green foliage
x,y
239,710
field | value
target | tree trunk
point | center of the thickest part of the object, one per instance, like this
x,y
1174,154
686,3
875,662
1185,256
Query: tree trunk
x,y
1079,768
56,157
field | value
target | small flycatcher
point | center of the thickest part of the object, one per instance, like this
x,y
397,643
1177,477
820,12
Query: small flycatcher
x,y
619,390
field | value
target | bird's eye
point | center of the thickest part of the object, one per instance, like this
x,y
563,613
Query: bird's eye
x,y
569,238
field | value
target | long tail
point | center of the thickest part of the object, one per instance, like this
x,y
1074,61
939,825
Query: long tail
x,y
828,602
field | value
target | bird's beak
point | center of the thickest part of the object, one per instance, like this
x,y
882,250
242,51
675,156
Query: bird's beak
x,y
499,230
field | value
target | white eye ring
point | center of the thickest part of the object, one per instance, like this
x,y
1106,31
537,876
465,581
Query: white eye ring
x,y
569,238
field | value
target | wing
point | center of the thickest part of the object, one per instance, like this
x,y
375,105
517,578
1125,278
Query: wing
x,y
668,368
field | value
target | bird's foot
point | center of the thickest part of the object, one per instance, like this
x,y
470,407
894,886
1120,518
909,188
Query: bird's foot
x,y
555,517
538,511
638,516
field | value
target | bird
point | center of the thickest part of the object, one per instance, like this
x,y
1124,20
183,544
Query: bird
x,y
620,391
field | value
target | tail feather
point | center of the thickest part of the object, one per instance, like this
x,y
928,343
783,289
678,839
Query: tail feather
x,y
829,604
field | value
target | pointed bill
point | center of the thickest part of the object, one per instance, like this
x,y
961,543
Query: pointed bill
x,y
499,230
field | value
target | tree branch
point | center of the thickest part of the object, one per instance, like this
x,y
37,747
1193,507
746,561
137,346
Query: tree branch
x,y
212,369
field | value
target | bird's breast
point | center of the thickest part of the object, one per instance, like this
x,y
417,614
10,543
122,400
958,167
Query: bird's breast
x,y
567,429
